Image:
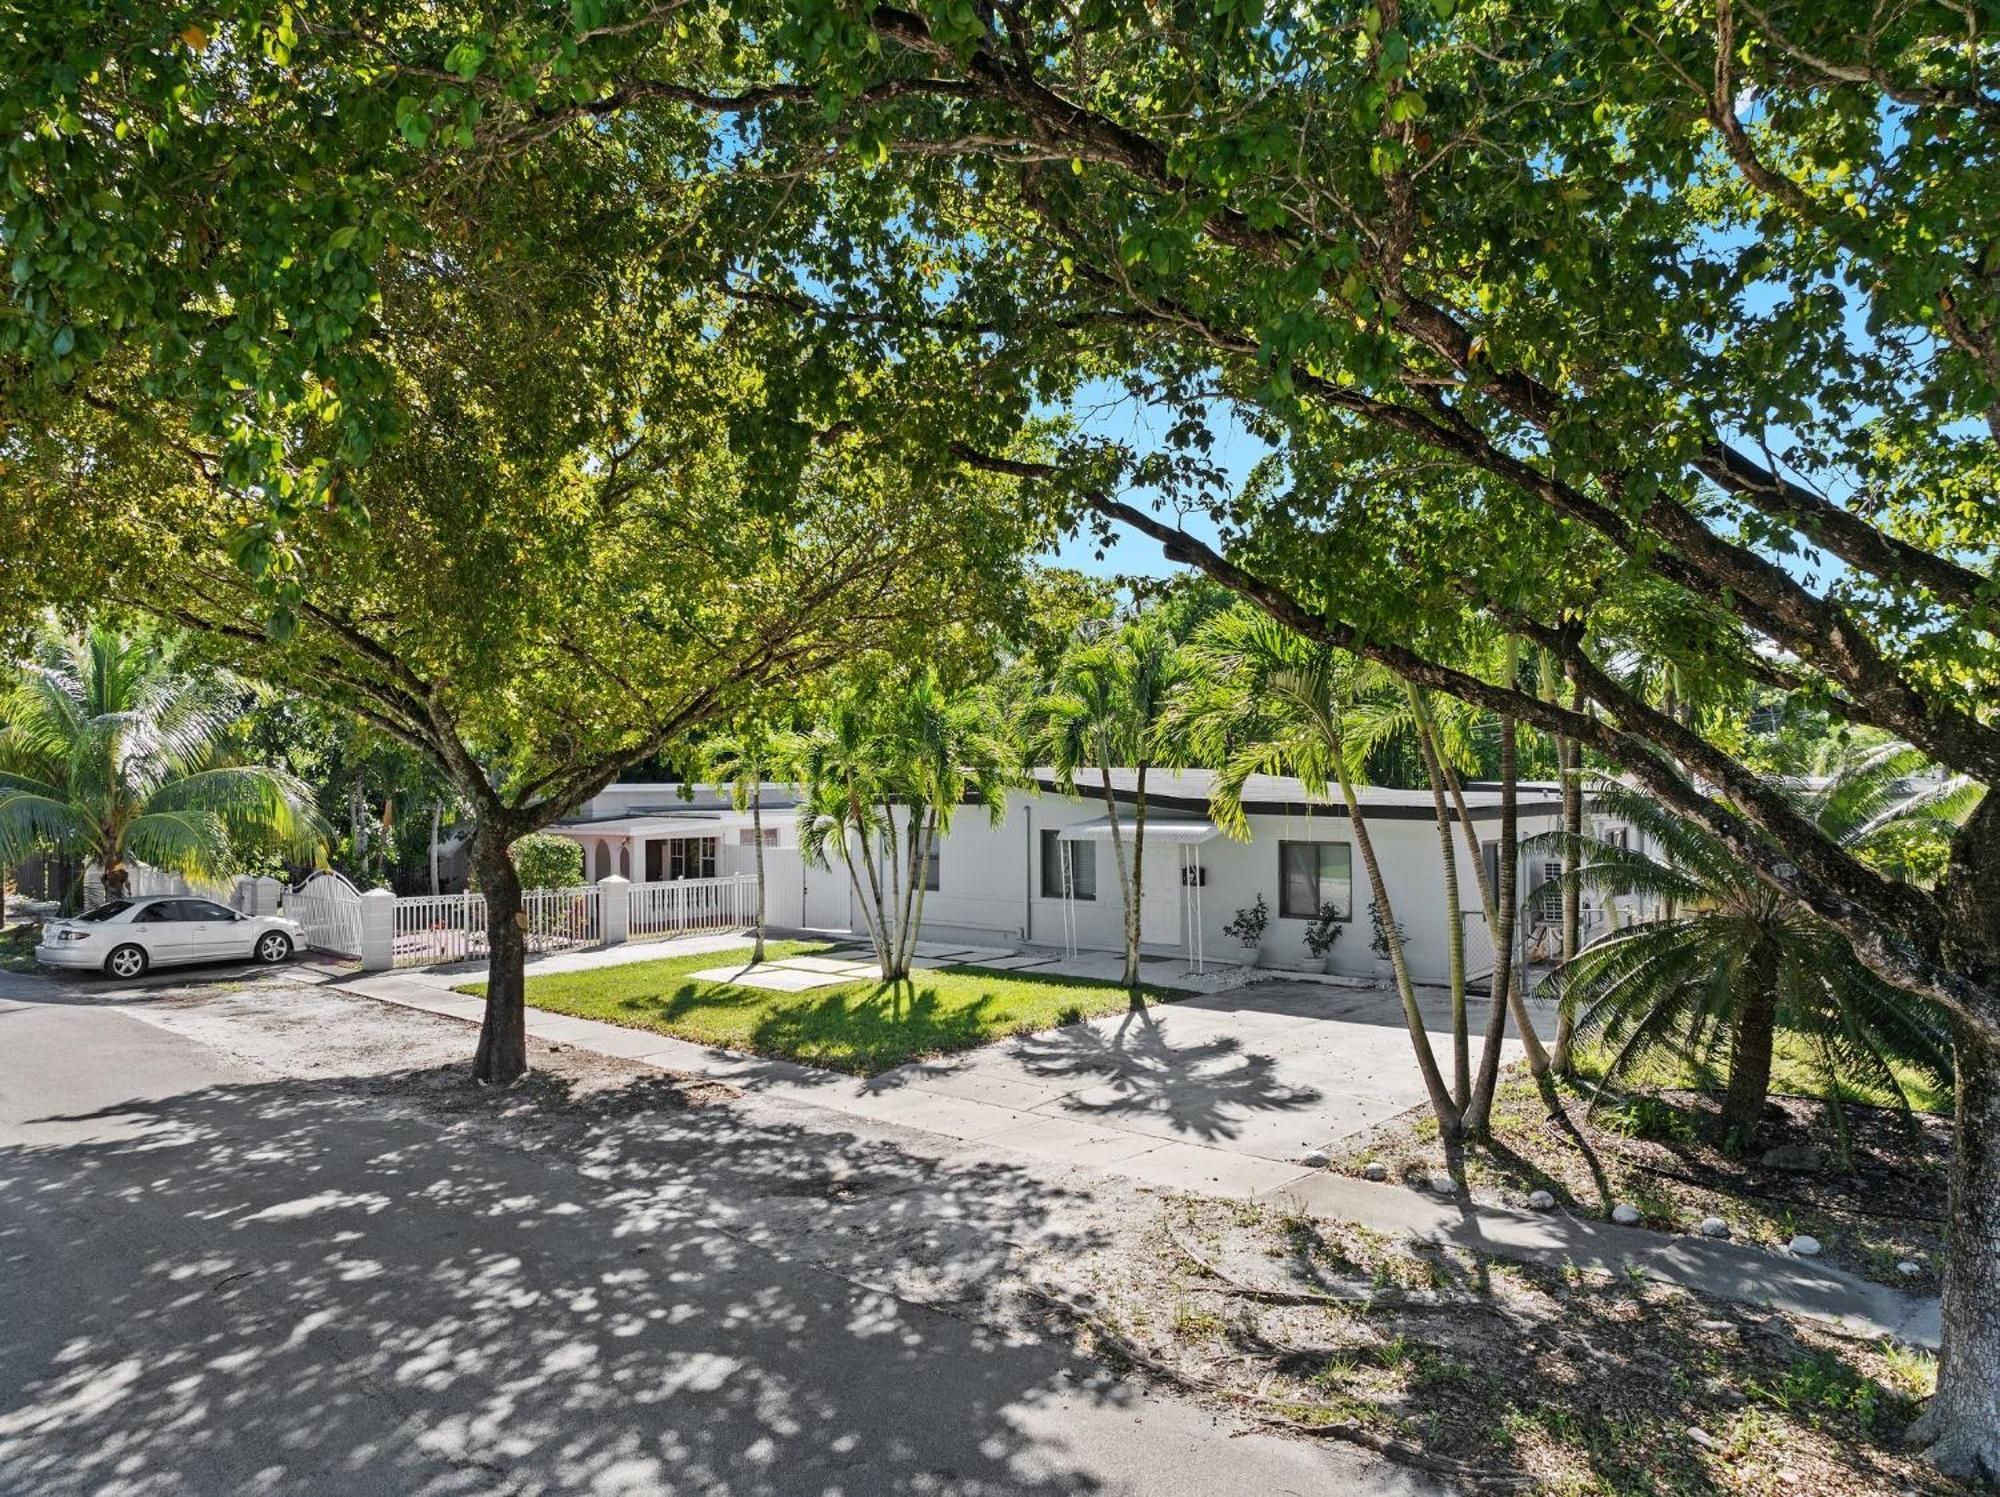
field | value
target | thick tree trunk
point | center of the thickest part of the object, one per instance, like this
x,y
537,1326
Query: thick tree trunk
x,y
1960,1429
503,1037
1750,1045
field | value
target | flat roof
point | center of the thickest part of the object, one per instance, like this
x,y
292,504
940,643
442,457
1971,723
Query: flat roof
x,y
1188,790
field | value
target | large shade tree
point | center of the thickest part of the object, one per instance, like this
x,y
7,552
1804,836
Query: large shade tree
x,y
1543,301
562,565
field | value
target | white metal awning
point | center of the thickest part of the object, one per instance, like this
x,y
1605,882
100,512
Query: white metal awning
x,y
723,823
1179,831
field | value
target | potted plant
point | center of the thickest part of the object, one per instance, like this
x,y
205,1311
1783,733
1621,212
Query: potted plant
x,y
1321,932
1378,940
1247,929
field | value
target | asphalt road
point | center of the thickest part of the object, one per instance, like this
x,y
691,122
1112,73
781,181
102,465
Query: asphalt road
x,y
215,1279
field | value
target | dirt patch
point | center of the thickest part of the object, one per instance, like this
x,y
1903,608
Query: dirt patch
x,y
1879,1209
302,1030
1494,1375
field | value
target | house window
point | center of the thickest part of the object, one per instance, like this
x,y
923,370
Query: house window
x,y
691,857
1552,899
1313,874
747,836
1082,868
933,867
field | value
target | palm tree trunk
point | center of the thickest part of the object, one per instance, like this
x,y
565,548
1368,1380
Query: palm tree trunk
x,y
1449,1119
503,1034
757,843
1505,990
1461,1050
1569,754
1750,1045
910,903
922,876
871,896
1118,857
1134,905
1506,973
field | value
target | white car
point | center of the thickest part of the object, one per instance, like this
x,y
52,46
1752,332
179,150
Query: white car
x,y
124,937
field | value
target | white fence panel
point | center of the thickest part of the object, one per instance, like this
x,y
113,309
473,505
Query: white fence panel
x,y
561,918
436,928
677,906
329,907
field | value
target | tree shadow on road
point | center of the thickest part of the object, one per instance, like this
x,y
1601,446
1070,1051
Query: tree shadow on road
x,y
402,1284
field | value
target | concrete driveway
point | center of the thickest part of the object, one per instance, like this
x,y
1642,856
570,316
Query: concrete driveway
x,y
1222,1093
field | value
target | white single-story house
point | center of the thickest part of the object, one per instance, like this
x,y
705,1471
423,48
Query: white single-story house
x,y
1044,876
650,833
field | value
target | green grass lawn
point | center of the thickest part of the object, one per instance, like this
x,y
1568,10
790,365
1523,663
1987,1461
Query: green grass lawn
x,y
858,1027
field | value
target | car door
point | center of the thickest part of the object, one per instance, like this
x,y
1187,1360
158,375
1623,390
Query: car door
x,y
215,930
165,931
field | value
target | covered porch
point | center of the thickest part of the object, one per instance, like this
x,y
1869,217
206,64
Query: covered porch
x,y
1170,910
661,849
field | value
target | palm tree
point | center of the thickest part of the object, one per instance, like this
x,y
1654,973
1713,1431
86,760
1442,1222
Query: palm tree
x,y
1720,960
883,773
737,763
111,752
1106,709
1269,701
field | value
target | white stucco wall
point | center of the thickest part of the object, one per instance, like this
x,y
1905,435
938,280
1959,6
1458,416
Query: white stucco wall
x,y
990,887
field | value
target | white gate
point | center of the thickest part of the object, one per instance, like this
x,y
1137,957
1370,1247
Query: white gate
x,y
826,900
329,907
674,906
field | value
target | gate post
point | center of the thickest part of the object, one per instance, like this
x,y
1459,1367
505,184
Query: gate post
x,y
614,910
378,930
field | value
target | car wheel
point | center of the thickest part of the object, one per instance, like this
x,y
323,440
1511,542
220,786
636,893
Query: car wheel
x,y
126,962
274,946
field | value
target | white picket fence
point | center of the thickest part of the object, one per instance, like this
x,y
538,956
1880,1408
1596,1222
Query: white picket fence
x,y
679,906
434,929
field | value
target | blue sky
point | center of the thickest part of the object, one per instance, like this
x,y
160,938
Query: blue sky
x,y
1104,410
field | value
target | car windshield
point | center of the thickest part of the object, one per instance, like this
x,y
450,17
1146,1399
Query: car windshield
x,y
107,910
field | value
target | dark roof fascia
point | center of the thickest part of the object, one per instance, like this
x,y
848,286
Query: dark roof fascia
x,y
1198,805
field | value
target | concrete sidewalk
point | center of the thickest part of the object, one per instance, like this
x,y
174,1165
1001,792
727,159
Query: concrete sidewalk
x,y
1219,1095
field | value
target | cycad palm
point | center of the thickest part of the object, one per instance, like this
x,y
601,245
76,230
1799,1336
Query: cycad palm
x,y
1722,960
110,752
